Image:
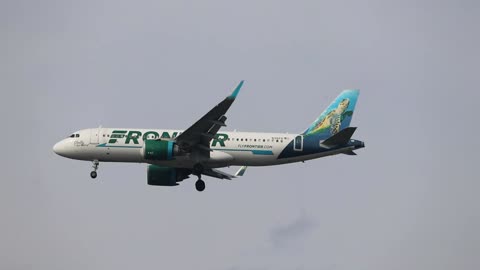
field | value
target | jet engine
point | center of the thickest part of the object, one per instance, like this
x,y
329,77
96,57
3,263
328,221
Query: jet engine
x,y
165,176
159,150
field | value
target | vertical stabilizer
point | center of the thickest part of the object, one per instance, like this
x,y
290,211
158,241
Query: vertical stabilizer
x,y
336,117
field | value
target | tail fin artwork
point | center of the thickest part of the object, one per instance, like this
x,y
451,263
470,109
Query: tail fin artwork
x,y
336,117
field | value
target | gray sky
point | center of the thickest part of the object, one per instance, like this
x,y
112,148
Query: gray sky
x,y
409,200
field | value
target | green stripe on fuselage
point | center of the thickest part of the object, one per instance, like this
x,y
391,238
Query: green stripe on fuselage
x,y
255,152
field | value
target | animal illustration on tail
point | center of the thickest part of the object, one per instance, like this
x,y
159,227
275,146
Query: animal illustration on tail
x,y
336,117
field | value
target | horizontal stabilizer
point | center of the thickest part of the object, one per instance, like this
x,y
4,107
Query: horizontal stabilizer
x,y
350,153
341,138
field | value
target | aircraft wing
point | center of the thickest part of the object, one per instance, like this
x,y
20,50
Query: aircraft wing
x,y
223,175
198,136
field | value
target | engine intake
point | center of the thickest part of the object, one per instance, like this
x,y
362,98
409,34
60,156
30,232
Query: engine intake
x,y
159,150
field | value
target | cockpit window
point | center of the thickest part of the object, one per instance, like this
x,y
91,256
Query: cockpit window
x,y
77,135
72,136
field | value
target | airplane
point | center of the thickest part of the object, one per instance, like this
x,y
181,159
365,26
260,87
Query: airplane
x,y
173,155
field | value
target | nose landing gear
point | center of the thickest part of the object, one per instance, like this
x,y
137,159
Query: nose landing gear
x,y
93,174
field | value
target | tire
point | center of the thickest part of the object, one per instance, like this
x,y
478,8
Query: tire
x,y
200,185
93,174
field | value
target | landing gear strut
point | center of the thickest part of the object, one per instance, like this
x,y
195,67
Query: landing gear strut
x,y
197,170
93,174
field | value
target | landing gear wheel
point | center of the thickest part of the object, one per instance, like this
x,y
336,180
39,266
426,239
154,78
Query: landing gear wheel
x,y
93,174
200,185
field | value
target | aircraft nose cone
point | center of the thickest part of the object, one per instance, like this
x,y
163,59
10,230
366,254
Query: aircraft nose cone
x,y
59,148
56,148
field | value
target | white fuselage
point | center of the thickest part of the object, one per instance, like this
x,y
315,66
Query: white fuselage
x,y
229,148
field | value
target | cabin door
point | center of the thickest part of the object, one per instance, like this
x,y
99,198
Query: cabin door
x,y
94,135
298,143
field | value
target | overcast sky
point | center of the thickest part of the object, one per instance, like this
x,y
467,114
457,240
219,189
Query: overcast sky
x,y
409,200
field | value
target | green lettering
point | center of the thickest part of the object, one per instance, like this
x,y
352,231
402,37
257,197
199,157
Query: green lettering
x,y
117,134
220,138
133,135
155,134
165,135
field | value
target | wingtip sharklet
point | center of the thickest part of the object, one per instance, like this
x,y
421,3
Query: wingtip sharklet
x,y
241,171
237,90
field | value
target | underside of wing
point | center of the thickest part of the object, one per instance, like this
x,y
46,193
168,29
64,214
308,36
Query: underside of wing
x,y
218,174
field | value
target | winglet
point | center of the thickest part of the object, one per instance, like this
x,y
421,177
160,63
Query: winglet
x,y
241,171
235,92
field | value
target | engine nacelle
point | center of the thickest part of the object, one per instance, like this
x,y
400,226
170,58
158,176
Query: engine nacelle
x,y
159,150
164,176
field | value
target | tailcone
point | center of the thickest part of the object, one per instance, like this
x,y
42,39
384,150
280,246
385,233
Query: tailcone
x,y
357,144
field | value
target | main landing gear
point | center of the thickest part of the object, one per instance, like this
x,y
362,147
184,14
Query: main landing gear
x,y
200,185
93,174
197,170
